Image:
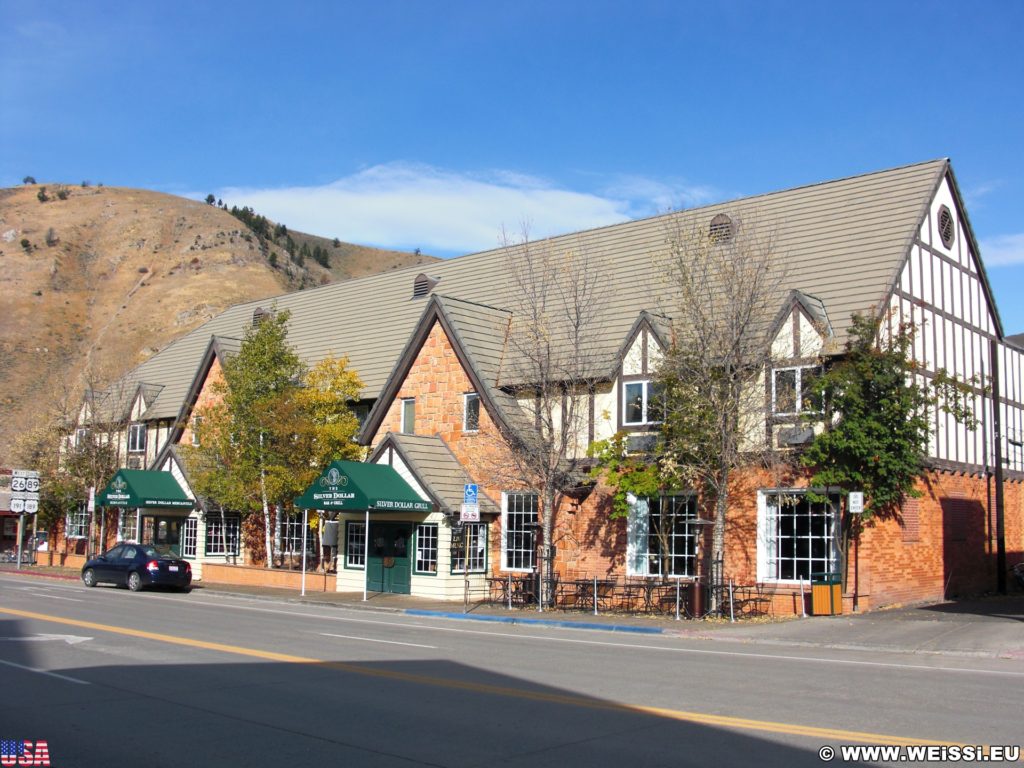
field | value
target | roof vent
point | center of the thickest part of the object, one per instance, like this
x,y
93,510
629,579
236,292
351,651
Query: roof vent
x,y
423,284
259,316
721,229
947,228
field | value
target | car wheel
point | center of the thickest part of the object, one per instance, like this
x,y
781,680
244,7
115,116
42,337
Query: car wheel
x,y
134,581
89,578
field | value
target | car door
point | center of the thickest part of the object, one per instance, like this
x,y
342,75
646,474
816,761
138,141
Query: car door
x,y
123,564
103,566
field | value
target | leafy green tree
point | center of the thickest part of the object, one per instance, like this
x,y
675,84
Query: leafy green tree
x,y
29,180
210,199
878,417
274,428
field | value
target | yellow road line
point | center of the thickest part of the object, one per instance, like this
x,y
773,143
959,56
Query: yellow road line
x,y
722,721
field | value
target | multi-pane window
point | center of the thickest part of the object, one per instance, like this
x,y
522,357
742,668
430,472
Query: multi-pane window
x,y
78,523
473,535
291,535
799,537
792,391
197,423
471,412
137,438
409,415
81,437
641,403
426,548
222,535
663,536
189,537
128,525
519,531
355,545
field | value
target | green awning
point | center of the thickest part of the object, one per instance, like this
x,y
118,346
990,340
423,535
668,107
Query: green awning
x,y
143,488
353,486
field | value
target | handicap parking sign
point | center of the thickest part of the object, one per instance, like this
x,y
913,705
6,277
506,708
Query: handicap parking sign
x,y
470,494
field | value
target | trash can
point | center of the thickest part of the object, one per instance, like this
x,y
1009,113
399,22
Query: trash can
x,y
826,594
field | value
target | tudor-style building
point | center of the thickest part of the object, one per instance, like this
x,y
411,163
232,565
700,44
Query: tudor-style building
x,y
434,353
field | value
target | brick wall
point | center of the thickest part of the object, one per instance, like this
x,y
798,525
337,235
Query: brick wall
x,y
943,544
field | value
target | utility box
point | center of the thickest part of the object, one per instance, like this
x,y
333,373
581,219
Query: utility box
x,y
826,594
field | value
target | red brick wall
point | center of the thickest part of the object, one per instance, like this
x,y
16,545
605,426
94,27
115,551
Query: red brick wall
x,y
947,546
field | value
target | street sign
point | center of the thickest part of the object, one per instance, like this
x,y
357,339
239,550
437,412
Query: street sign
x,y
24,491
856,503
17,506
31,506
470,494
470,513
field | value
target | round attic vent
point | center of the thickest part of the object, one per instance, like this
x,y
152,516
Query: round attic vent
x,y
721,229
947,227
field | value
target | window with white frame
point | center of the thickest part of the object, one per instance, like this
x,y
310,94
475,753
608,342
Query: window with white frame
x,y
128,525
81,436
197,424
471,412
475,536
641,403
189,537
222,535
518,531
662,536
137,438
291,535
355,545
77,523
426,548
409,416
792,390
797,537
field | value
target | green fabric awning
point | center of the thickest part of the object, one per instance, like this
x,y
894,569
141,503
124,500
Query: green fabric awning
x,y
143,488
353,486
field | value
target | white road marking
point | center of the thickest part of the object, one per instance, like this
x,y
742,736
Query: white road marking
x,y
56,597
69,639
375,640
44,672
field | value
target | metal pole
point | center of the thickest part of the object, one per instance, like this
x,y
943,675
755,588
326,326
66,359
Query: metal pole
x,y
305,527
677,598
595,595
21,534
366,555
465,567
997,439
803,601
732,612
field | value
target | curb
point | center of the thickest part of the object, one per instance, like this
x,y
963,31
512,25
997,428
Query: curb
x,y
536,622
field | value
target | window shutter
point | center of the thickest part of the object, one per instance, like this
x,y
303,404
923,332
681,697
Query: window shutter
x,y
636,536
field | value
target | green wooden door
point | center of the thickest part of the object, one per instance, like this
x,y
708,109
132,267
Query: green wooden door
x,y
388,561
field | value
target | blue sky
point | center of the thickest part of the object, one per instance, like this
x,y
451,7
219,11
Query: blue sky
x,y
435,124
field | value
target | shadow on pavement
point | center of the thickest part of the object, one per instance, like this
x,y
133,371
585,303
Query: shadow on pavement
x,y
393,713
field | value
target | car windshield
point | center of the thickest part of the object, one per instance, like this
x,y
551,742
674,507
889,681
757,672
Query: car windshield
x,y
159,551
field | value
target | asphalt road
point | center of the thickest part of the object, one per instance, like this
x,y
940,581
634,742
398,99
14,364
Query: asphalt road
x,y
110,677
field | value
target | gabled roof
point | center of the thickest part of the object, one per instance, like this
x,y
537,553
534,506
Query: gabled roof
x,y
436,469
477,334
814,308
843,242
658,325
219,348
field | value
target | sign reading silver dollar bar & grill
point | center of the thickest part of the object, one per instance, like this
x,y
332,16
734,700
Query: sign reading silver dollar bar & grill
x,y
355,486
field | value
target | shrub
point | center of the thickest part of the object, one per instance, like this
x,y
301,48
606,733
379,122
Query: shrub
x,y
41,194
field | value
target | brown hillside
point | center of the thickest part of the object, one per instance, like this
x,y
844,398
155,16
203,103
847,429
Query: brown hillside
x,y
93,284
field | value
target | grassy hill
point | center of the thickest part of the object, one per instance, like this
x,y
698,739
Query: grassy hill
x,y
96,279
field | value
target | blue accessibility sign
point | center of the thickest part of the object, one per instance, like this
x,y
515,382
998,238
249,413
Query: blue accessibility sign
x,y
470,494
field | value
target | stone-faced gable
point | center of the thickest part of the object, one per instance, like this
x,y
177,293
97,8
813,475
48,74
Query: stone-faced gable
x,y
207,396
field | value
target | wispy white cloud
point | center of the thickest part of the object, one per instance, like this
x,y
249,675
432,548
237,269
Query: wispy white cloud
x,y
1002,250
973,196
407,205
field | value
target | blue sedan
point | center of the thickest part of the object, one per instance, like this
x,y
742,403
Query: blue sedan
x,y
136,566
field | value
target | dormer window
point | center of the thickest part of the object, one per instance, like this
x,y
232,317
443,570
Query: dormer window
x,y
641,403
792,391
423,284
137,438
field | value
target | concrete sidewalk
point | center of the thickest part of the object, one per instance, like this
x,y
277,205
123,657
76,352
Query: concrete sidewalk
x,y
991,627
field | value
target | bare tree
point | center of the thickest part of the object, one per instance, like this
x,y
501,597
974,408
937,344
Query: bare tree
x,y
726,285
554,297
